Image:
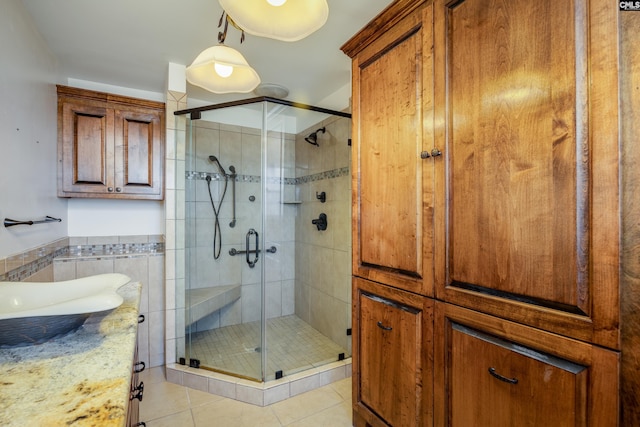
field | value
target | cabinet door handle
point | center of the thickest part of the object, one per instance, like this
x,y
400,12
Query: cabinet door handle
x,y
493,372
118,190
110,189
385,328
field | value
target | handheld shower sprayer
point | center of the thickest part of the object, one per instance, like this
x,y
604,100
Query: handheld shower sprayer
x,y
215,160
313,137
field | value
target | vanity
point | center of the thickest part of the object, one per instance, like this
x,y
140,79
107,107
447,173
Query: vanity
x,y
86,378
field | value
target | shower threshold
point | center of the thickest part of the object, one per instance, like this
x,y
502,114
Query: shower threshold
x,y
257,393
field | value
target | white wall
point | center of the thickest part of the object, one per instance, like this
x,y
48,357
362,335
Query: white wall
x,y
28,123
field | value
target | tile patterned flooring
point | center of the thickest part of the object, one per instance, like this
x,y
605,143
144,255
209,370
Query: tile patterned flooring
x,y
166,404
292,346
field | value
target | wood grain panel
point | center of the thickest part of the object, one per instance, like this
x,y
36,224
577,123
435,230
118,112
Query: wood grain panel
x,y
392,371
85,152
90,149
392,185
584,375
630,280
526,200
513,148
543,390
390,219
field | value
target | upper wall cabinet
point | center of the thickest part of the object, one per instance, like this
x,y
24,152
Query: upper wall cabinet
x,y
392,148
109,146
527,211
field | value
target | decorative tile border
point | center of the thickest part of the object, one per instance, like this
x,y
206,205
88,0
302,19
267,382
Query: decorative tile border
x,y
116,249
21,273
19,267
335,173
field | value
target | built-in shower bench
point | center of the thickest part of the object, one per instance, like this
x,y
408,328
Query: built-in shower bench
x,y
204,301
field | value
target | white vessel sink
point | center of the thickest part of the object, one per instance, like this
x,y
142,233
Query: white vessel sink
x,y
35,312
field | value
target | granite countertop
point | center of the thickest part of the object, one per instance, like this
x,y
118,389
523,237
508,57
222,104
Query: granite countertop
x,y
82,379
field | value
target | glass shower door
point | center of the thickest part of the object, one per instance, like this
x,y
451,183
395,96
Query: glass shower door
x,y
224,231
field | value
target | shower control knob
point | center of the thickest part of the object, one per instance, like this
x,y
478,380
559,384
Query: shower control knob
x,y
435,152
425,155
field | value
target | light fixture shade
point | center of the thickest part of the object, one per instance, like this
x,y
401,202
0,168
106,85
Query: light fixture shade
x,y
292,21
202,71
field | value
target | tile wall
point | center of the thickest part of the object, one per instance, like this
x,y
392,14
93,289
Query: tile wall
x,y
323,258
139,257
240,147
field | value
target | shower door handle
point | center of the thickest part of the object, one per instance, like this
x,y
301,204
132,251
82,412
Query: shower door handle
x,y
248,237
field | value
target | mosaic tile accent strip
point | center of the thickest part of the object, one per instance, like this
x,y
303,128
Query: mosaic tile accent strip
x,y
116,249
21,273
45,258
335,173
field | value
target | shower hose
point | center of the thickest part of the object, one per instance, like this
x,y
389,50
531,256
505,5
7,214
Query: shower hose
x,y
217,232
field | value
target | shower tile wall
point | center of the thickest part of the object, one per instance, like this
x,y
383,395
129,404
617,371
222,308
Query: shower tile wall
x,y
240,147
323,258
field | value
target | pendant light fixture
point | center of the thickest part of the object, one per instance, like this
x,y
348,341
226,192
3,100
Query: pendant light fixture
x,y
222,69
286,20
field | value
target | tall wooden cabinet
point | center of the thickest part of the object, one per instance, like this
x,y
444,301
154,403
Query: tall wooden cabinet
x,y
109,146
487,181
393,218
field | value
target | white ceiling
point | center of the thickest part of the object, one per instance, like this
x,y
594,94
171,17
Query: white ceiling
x,y
129,43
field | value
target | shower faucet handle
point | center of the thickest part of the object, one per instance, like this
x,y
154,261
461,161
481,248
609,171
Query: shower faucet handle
x,y
321,222
322,196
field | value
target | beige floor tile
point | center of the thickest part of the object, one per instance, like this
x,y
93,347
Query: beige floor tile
x,y
343,388
166,404
197,397
152,375
227,412
181,419
304,405
162,399
336,416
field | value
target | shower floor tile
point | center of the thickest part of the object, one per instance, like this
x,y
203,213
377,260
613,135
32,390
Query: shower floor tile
x,y
292,346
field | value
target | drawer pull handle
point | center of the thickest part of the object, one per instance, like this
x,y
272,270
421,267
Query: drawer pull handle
x,y
386,328
493,372
138,392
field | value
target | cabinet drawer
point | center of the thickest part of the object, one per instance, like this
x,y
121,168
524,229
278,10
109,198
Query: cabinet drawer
x,y
392,340
493,372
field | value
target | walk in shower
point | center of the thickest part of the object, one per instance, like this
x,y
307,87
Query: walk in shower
x,y
267,239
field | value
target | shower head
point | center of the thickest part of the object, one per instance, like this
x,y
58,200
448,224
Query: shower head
x,y
215,160
232,169
313,137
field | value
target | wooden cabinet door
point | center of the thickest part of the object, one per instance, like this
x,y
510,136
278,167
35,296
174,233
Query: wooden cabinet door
x,y
392,355
495,373
109,146
392,185
527,205
86,161
138,152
